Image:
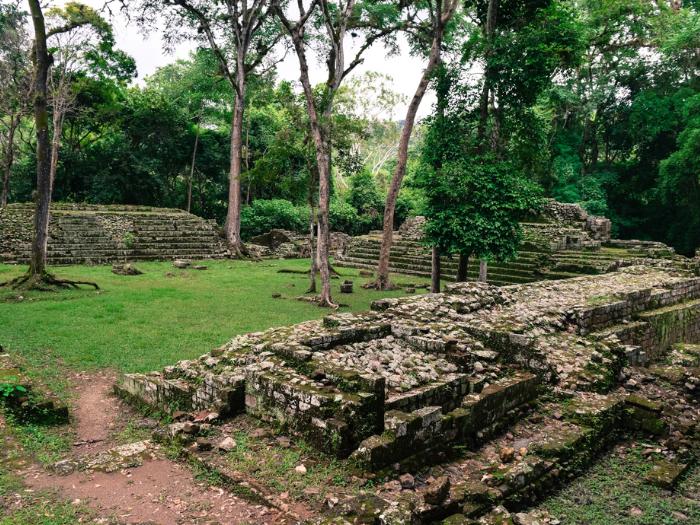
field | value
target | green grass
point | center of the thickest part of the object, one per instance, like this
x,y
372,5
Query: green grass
x,y
142,323
275,467
614,491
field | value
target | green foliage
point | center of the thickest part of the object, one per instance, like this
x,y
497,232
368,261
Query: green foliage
x,y
680,181
474,207
10,387
473,200
263,215
364,194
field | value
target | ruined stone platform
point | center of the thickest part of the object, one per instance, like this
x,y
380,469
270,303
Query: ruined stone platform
x,y
563,241
527,377
95,234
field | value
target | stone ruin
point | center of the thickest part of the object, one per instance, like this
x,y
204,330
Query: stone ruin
x,y
468,402
562,241
95,234
286,244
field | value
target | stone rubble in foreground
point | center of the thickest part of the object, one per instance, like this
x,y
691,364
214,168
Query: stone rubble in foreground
x,y
471,403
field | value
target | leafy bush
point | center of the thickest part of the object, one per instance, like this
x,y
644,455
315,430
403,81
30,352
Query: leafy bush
x,y
343,217
364,195
264,215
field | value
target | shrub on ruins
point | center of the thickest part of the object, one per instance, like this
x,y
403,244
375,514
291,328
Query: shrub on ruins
x,y
264,215
474,205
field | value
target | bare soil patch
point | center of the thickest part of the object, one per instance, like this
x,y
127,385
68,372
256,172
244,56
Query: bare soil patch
x,y
159,491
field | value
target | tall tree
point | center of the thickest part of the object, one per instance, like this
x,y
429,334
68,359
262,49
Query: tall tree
x,y
473,203
198,85
241,34
37,277
440,13
377,20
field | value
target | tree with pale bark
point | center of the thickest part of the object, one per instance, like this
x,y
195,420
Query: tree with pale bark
x,y
37,277
242,34
368,21
15,76
83,49
430,35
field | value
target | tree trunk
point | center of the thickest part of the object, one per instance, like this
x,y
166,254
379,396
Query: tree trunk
x,y
42,62
9,160
491,14
233,217
323,241
57,121
435,271
462,268
483,270
189,180
382,282
313,270
321,144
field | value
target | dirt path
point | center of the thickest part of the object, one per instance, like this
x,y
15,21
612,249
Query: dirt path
x,y
159,491
96,411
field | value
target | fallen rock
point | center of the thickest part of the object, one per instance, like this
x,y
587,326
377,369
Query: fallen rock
x,y
227,444
665,474
300,469
179,263
204,445
437,491
65,467
506,454
407,481
125,269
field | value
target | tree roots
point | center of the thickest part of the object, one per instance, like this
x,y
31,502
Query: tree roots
x,y
44,282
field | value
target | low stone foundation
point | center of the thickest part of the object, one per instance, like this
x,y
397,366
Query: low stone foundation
x,y
436,368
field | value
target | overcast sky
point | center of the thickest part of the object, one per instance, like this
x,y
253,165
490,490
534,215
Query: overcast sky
x,y
149,54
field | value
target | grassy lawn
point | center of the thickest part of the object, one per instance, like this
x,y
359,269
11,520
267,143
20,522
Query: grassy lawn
x,y
145,322
614,491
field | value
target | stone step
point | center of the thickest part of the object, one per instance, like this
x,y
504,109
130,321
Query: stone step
x,y
423,274
495,272
537,455
70,261
428,428
448,262
104,246
92,234
555,450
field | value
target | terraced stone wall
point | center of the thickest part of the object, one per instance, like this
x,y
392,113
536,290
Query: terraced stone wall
x,y
563,241
427,371
80,233
489,396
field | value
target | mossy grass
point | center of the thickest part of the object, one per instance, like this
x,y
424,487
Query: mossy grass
x,y
614,490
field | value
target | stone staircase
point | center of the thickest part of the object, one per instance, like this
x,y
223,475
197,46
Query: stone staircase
x,y
91,234
411,257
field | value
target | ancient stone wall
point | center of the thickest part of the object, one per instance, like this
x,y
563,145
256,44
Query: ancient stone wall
x,y
561,242
99,234
526,378
285,244
439,368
